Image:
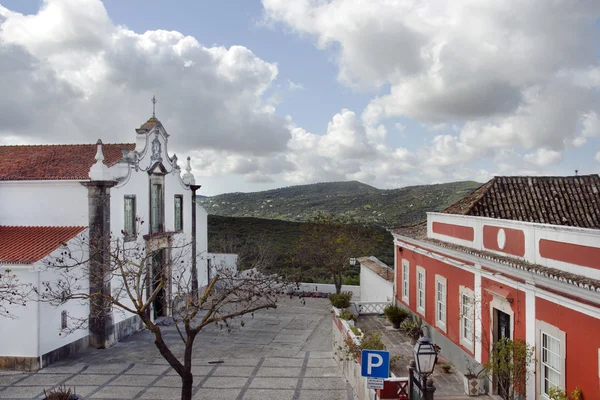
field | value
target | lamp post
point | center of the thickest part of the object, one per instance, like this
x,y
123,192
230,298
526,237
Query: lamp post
x,y
425,355
194,255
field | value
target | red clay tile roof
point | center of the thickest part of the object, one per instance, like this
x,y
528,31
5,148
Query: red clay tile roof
x,y
378,267
45,162
146,126
556,200
28,244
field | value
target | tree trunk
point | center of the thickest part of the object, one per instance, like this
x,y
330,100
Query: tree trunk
x,y
187,379
187,384
337,281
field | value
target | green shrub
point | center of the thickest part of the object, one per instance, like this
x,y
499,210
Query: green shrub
x,y
356,331
341,300
351,280
347,315
557,393
370,340
396,315
413,327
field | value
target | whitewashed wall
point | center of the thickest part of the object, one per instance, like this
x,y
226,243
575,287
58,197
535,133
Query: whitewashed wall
x,y
43,203
20,335
37,328
222,260
373,288
350,368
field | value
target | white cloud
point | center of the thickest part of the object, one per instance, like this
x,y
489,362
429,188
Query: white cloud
x,y
75,76
514,78
543,157
491,83
295,86
591,125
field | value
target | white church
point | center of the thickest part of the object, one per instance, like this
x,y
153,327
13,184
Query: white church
x,y
52,195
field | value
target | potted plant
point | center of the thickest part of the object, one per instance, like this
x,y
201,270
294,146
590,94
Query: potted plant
x,y
61,393
474,381
413,327
396,315
446,368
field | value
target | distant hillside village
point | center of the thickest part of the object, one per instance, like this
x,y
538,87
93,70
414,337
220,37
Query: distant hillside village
x,y
515,258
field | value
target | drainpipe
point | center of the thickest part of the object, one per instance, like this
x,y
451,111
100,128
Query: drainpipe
x,y
194,267
39,336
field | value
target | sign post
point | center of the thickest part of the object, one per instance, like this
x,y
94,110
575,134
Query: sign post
x,y
375,365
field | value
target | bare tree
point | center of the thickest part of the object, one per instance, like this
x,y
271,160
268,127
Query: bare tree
x,y
12,293
143,272
253,252
329,242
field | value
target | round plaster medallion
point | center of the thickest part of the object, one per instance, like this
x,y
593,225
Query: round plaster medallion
x,y
501,238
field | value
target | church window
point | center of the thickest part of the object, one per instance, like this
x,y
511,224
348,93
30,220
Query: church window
x,y
178,212
156,207
63,319
129,228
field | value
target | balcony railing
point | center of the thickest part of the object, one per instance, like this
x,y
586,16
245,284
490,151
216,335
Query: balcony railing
x,y
371,307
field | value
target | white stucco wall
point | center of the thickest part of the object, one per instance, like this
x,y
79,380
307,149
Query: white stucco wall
x,y
20,335
222,260
37,328
43,203
373,287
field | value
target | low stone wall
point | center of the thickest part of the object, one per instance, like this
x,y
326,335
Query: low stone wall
x,y
350,368
327,288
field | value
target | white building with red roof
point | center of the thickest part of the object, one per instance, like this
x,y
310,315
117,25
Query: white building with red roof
x,y
52,195
519,258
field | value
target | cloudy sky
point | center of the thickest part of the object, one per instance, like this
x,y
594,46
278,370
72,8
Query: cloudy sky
x,y
283,92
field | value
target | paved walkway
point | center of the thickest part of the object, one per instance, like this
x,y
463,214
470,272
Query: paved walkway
x,y
448,385
278,354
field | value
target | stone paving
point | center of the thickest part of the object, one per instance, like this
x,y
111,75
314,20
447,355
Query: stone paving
x,y
279,354
448,385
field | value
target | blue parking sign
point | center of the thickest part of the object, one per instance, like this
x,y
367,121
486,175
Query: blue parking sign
x,y
375,363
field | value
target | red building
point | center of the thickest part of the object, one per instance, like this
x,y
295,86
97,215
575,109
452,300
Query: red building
x,y
517,258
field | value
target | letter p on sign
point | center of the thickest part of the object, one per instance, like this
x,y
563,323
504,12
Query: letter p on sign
x,y
375,363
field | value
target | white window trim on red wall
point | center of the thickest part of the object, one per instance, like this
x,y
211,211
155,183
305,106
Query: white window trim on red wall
x,y
551,296
441,324
421,308
406,282
467,343
550,330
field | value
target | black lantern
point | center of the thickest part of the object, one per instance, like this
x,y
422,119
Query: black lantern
x,y
353,261
425,356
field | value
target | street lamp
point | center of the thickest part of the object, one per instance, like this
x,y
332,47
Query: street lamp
x,y
426,355
352,261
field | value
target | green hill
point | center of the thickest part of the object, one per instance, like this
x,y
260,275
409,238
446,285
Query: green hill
x,y
224,233
363,202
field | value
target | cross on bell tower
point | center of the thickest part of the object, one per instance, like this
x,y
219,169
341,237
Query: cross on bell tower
x,y
153,106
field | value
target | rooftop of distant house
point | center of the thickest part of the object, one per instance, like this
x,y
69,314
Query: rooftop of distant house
x,y
378,267
563,201
556,200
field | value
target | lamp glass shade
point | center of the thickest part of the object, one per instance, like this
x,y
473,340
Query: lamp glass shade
x,y
352,261
425,356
